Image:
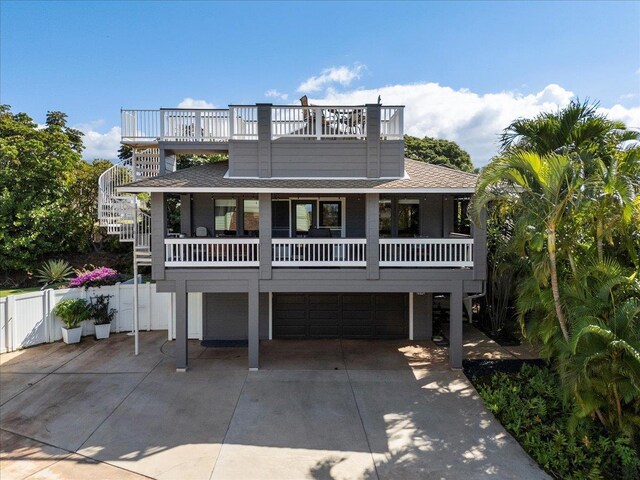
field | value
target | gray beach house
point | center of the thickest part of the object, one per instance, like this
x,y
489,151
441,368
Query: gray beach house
x,y
317,226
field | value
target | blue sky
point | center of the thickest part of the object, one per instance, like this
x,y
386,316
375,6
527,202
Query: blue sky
x,y
464,69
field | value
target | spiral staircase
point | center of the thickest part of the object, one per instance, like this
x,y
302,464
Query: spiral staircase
x,y
125,214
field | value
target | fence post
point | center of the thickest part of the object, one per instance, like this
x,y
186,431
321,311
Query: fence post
x,y
11,331
116,297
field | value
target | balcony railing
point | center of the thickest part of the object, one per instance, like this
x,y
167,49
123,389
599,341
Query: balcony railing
x,y
426,252
319,252
212,252
241,123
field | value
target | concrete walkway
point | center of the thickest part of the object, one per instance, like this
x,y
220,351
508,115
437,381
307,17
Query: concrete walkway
x,y
317,409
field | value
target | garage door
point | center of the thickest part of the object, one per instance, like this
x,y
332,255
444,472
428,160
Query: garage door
x,y
340,315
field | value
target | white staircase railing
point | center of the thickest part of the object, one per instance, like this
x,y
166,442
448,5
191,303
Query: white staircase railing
x,y
122,214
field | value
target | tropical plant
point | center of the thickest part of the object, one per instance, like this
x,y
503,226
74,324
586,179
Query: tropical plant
x,y
531,406
72,312
100,311
53,272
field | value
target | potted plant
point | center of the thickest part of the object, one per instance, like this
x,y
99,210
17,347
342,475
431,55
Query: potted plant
x,y
72,313
102,315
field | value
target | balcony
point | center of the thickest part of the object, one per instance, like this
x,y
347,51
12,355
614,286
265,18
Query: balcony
x,y
320,252
241,123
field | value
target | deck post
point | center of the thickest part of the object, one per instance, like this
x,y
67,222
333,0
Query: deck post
x,y
455,326
182,327
373,236
158,232
264,208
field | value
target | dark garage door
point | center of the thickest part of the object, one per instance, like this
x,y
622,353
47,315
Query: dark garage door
x,y
340,315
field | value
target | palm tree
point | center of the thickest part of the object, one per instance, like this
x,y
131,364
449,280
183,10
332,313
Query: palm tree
x,y
542,190
578,127
612,188
601,367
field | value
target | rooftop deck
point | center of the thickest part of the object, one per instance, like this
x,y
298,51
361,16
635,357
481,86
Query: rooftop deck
x,y
239,122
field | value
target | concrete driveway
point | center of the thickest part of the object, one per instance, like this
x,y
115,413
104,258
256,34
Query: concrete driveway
x,y
317,409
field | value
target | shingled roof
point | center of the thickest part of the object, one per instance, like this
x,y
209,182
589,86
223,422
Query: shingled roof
x,y
420,177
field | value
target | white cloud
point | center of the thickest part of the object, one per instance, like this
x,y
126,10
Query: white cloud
x,y
342,75
99,145
473,120
273,93
193,103
630,116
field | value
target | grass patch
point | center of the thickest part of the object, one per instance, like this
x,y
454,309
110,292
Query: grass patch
x,y
529,404
17,291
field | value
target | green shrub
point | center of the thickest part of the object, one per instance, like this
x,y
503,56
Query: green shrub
x,y
530,406
72,312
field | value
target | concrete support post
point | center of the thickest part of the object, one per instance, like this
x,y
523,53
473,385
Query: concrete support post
x,y
373,235
264,140
158,233
373,140
182,327
254,326
264,206
455,326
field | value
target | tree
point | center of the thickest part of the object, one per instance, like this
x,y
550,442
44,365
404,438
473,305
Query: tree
x,y
36,175
437,152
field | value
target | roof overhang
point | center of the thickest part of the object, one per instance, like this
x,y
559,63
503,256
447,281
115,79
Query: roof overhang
x,y
343,191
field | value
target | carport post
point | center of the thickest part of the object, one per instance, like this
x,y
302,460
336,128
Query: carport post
x,y
254,326
182,306
455,326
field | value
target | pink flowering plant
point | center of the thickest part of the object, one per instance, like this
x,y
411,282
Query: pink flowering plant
x,y
95,278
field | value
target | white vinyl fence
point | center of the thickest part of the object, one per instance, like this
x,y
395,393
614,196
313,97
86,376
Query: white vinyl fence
x,y
27,319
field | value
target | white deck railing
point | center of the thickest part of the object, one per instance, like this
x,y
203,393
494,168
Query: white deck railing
x,y
181,125
426,252
318,122
392,123
212,252
240,122
319,252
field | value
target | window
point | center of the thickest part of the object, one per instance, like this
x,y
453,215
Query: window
x,y
408,217
384,214
280,218
225,217
251,218
331,214
461,221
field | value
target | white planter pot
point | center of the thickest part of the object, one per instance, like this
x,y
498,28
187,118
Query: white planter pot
x,y
71,335
102,331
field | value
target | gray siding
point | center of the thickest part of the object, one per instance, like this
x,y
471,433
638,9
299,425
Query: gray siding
x,y
243,158
202,212
226,316
392,158
337,158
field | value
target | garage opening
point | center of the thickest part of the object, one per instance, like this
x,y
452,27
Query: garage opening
x,y
341,315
